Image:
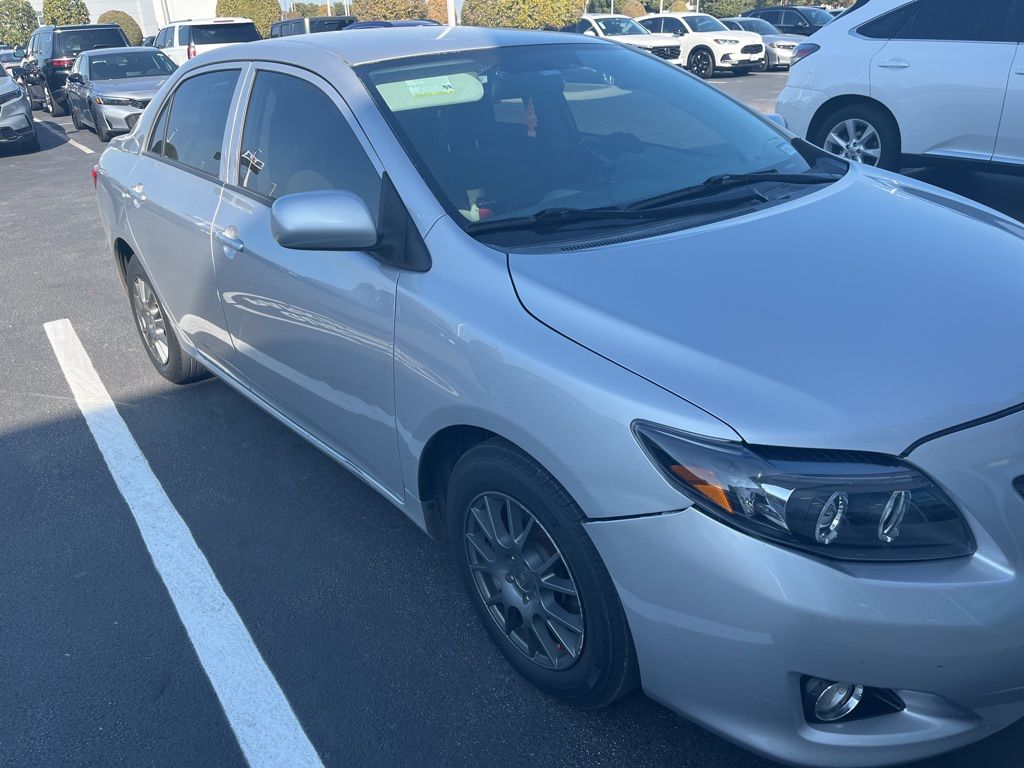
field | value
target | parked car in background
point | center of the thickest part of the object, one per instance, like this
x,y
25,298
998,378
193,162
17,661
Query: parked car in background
x,y
148,41
16,125
51,53
623,29
10,57
184,40
108,88
796,521
310,25
793,19
393,23
893,83
777,46
706,44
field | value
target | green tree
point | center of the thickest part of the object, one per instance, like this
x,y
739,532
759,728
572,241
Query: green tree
x,y
304,10
125,22
725,8
17,21
521,14
65,12
262,12
389,10
632,8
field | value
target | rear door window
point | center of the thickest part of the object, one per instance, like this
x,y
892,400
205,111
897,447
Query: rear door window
x,y
328,25
1000,21
295,139
222,34
191,129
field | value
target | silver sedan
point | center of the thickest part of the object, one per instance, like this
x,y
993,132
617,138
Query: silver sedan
x,y
778,45
108,88
16,126
490,273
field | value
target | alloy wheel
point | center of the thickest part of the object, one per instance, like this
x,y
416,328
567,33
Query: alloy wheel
x,y
856,140
524,581
151,320
701,64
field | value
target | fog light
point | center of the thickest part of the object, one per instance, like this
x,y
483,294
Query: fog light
x,y
833,701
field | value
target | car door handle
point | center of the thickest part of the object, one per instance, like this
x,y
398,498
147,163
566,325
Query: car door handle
x,y
894,64
1019,71
136,193
228,237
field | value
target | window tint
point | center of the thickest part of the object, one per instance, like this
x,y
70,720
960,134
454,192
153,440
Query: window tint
x,y
889,24
773,16
328,25
296,140
793,19
221,34
71,42
652,25
183,35
193,131
673,25
999,21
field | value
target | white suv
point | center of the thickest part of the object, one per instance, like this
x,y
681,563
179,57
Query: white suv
x,y
894,83
708,45
186,39
623,29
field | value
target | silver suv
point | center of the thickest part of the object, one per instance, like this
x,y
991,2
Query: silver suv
x,y
515,282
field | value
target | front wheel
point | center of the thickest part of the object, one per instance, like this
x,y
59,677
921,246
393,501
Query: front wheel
x,y
861,133
53,105
535,578
701,63
156,332
74,116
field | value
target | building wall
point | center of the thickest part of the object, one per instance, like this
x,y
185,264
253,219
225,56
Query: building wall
x,y
151,14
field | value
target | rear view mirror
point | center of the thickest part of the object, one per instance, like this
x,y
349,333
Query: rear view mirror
x,y
327,220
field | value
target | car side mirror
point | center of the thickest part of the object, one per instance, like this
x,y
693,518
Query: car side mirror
x,y
76,77
325,221
679,32
590,33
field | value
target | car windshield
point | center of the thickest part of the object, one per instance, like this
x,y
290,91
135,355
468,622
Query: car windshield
x,y
222,34
760,26
703,23
818,17
118,66
620,25
71,42
509,132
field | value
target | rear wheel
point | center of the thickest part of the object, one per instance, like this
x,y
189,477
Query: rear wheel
x,y
156,332
53,106
535,578
74,116
701,63
863,133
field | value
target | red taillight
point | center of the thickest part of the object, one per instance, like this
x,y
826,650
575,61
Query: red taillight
x,y
95,176
61,63
802,51
191,50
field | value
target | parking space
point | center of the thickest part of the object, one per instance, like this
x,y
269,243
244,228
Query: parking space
x,y
356,619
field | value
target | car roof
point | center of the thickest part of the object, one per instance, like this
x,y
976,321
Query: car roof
x,y
62,27
214,20
367,45
117,49
605,16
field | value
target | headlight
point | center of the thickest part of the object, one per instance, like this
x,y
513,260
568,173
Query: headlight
x,y
727,42
11,95
114,102
839,504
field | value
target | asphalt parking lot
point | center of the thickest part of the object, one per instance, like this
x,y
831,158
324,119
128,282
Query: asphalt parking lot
x,y
358,616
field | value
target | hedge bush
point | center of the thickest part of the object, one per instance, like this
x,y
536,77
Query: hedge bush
x,y
65,12
130,27
632,8
521,14
389,10
17,21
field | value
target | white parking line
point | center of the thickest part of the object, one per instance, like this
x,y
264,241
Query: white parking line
x,y
263,721
71,141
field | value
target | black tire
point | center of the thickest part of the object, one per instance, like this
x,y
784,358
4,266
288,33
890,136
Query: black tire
x,y
53,105
605,668
179,367
763,66
102,132
74,117
883,123
701,62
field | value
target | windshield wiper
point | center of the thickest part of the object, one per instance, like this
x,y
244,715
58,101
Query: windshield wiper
x,y
557,217
716,184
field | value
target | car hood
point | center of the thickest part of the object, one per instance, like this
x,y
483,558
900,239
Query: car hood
x,y
896,313
129,87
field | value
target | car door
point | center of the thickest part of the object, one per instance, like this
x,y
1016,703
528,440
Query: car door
x,y
314,330
943,75
1010,140
72,90
172,196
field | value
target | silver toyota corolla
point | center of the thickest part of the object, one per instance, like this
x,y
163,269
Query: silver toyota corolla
x,y
514,282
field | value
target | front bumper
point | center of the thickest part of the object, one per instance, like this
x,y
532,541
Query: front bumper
x,y
119,119
779,57
798,106
725,625
734,61
16,120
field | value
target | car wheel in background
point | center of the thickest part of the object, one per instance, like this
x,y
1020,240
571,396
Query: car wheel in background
x,y
53,106
701,63
156,332
536,579
102,132
862,133
764,65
